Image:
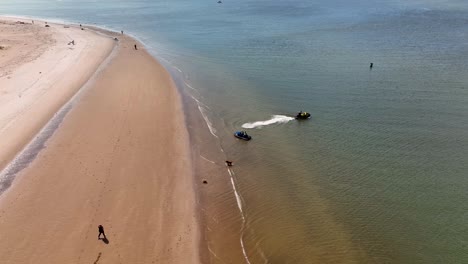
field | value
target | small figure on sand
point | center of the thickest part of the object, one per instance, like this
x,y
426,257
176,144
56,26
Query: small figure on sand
x,y
136,47
33,22
101,231
371,65
121,31
228,163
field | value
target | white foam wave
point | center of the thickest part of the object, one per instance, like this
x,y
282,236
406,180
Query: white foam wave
x,y
207,121
239,205
274,119
189,86
199,103
179,70
207,159
165,60
238,199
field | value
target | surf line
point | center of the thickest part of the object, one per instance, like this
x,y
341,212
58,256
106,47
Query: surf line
x,y
175,67
207,121
239,205
207,159
189,86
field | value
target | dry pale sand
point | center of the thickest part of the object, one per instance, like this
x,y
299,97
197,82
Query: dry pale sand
x,y
39,72
120,158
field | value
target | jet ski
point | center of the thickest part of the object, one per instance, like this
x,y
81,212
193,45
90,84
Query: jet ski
x,y
302,115
242,135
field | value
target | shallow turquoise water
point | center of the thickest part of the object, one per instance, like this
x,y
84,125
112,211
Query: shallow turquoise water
x,y
382,164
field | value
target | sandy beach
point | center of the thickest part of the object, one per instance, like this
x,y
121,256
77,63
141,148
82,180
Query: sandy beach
x,y
39,72
119,158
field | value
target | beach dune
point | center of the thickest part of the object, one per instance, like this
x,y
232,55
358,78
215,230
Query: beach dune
x,y
120,159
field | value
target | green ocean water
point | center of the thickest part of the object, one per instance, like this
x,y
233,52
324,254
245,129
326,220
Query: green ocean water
x,y
379,174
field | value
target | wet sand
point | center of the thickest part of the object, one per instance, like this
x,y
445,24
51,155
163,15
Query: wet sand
x,y
120,158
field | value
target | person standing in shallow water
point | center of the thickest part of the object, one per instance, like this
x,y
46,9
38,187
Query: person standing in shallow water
x,y
101,231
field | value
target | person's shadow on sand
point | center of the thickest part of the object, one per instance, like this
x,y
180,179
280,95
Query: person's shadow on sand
x,y
105,240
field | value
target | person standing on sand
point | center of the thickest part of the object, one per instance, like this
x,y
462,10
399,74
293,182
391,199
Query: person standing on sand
x,y
101,231
121,31
136,47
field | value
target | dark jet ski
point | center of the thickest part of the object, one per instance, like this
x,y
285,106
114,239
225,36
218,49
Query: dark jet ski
x,y
302,115
242,135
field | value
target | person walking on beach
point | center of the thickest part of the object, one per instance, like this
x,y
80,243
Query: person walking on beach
x,y
136,47
101,231
121,31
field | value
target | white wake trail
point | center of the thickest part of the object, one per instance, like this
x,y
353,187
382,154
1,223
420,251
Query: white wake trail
x,y
274,119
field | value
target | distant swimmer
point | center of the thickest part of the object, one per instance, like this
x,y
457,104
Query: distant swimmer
x,y
228,163
136,47
219,2
371,65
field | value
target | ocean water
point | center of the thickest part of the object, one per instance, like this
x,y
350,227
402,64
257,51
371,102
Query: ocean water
x,y
378,174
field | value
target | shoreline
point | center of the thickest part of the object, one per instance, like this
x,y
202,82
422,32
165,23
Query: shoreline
x,y
222,217
26,187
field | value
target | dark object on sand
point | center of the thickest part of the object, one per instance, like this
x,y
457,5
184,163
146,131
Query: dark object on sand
x,y
72,43
205,182
116,39
302,115
371,65
47,26
228,163
136,47
242,135
101,232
